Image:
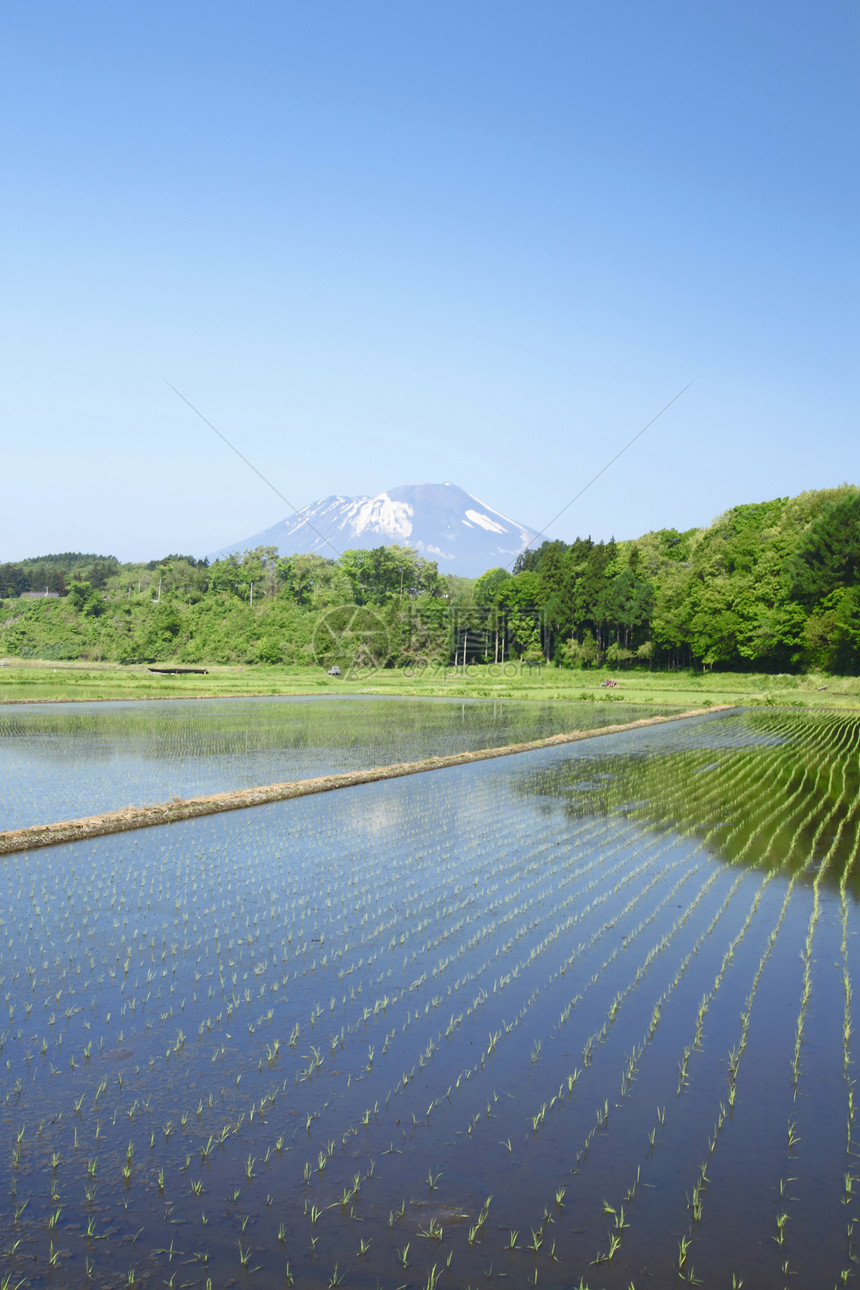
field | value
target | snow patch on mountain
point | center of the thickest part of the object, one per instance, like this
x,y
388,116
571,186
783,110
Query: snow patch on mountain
x,y
382,515
485,522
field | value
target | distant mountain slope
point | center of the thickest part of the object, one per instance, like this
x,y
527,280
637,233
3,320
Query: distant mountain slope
x,y
441,521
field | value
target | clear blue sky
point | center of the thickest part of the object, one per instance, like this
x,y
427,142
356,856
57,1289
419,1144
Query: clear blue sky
x,y
388,243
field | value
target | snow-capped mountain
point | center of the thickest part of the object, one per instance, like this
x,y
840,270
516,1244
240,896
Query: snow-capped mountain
x,y
441,521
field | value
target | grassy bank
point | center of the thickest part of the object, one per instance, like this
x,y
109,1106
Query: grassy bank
x,y
47,682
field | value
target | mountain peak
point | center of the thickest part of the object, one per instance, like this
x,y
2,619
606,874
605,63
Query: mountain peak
x,y
442,522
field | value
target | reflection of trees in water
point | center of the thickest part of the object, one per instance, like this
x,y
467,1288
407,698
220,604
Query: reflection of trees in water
x,y
237,726
75,760
767,789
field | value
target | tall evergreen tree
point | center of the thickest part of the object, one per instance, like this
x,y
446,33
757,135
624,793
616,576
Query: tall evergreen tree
x,y
828,556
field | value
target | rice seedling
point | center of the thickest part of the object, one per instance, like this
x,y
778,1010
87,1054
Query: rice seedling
x,y
433,1230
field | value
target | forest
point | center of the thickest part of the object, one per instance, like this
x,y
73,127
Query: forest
x,y
772,586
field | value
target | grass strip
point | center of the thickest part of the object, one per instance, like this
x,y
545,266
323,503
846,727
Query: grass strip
x,y
143,817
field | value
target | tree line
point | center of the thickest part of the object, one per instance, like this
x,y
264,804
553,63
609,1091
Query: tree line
x,y
773,586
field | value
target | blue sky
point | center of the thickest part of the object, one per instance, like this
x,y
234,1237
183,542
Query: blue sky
x,y
388,243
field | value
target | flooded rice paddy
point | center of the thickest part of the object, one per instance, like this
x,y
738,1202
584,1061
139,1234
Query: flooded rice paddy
x,y
63,761
581,1016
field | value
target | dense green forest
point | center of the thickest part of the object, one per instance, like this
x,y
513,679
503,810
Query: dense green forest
x,y
773,586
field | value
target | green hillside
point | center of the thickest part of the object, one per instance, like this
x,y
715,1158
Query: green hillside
x,y
767,587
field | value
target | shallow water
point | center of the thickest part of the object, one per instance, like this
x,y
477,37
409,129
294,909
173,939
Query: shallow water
x,y
316,1034
63,761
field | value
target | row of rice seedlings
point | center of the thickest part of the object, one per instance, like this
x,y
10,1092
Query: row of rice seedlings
x,y
683,1079
476,1067
611,923
616,1236
774,814
765,808
696,1201
842,812
507,1028
728,779
162,957
655,884
632,1060
821,746
494,1041
736,1054
565,1091
500,983
498,986
848,992
658,948
749,780
826,817
593,980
